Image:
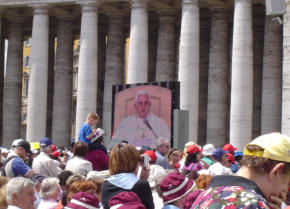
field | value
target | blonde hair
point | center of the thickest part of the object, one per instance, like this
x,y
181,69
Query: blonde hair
x,y
93,115
124,158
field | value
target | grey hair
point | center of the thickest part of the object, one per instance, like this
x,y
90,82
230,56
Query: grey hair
x,y
141,93
45,149
16,185
48,187
161,140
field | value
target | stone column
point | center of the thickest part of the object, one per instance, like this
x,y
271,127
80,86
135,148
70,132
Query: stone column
x,y
165,66
138,49
37,92
272,78
188,74
2,52
285,126
13,85
217,103
242,75
62,99
114,67
88,64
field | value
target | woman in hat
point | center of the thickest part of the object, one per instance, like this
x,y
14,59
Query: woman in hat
x,y
192,163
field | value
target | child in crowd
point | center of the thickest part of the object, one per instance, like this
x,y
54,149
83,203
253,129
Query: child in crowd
x,y
88,130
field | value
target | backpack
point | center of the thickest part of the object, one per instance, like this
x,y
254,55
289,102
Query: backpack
x,y
2,170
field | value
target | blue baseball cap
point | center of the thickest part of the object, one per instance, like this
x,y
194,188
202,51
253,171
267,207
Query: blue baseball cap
x,y
45,142
238,154
218,153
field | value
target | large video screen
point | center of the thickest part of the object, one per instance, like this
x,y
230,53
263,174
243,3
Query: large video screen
x,y
143,112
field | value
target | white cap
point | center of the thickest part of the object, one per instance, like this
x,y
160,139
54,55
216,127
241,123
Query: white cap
x,y
208,149
16,142
4,150
99,174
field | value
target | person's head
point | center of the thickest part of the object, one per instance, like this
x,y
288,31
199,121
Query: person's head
x,y
20,193
98,183
73,178
21,148
173,155
230,148
193,155
174,188
203,181
49,188
220,155
163,145
125,200
63,177
152,155
82,200
266,161
142,104
124,158
3,199
231,160
92,119
208,150
45,145
81,186
37,180
80,149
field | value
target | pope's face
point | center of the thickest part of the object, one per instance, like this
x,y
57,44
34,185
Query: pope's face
x,y
142,106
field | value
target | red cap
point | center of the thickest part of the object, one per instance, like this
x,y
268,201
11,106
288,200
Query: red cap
x,y
229,147
55,154
231,158
193,149
53,148
151,154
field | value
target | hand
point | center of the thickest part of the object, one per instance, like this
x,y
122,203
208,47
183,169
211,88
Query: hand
x,y
276,202
145,172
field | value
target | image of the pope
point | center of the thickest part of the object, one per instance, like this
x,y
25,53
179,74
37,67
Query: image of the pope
x,y
143,127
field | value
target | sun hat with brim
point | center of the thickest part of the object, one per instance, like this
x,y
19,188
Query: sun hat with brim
x,y
126,200
83,200
275,146
208,149
175,186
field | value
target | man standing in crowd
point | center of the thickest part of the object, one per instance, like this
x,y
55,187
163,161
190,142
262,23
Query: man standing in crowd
x,y
261,182
20,193
43,164
14,165
142,127
162,148
231,149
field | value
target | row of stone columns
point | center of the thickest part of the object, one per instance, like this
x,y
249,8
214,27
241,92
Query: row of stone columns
x,y
241,98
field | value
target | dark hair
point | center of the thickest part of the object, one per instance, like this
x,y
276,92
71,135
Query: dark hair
x,y
191,158
63,177
80,149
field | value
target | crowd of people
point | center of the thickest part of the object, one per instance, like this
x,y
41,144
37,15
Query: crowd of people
x,y
89,176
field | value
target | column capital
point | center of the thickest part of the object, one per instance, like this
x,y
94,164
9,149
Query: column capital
x,y
89,6
139,3
190,2
40,8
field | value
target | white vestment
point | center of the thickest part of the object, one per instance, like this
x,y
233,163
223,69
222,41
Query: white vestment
x,y
134,130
